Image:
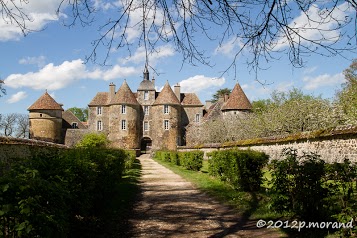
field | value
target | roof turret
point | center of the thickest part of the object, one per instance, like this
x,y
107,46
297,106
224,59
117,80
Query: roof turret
x,y
45,102
237,100
124,96
167,96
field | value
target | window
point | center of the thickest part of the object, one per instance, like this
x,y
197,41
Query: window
x,y
99,110
99,125
123,109
146,95
74,125
123,124
40,114
197,119
146,110
166,124
146,126
166,109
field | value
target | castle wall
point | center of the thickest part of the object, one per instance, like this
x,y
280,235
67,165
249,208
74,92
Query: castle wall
x,y
128,138
45,126
166,139
93,118
334,148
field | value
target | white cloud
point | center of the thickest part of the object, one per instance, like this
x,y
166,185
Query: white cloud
x,y
139,55
310,70
324,80
230,47
39,14
54,77
200,82
39,61
317,25
17,97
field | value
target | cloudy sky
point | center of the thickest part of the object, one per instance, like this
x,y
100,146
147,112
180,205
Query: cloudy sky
x,y
52,58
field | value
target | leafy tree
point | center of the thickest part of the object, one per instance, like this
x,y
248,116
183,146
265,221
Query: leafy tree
x,y
80,113
347,97
263,28
93,140
220,93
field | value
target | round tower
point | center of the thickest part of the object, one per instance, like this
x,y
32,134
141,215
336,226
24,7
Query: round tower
x,y
236,103
45,117
167,111
124,119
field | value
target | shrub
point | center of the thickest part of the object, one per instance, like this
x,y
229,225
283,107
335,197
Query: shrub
x,y
191,160
241,168
297,184
93,140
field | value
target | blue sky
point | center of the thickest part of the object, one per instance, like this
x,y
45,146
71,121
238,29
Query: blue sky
x,y
52,58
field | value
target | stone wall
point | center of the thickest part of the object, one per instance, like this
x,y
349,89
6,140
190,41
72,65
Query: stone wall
x,y
14,148
334,146
73,136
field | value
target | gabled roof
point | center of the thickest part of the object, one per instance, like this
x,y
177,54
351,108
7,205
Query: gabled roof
x,y
124,96
214,111
68,118
166,96
190,99
99,99
237,100
45,102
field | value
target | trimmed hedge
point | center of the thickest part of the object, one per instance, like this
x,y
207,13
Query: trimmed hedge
x,y
51,193
241,168
191,160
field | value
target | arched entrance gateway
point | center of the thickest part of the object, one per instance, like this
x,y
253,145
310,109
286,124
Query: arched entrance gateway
x,y
145,145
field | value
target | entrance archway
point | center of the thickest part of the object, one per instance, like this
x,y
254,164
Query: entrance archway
x,y
145,145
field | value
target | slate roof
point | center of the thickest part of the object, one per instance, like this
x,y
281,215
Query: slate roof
x,y
167,96
99,99
68,118
214,111
124,96
146,85
45,102
190,99
237,100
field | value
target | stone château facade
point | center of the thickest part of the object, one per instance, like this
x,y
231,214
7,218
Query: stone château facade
x,y
133,120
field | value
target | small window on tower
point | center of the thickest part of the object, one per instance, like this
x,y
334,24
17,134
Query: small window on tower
x,y
197,117
146,95
166,109
146,126
123,109
99,110
166,124
146,110
123,124
99,125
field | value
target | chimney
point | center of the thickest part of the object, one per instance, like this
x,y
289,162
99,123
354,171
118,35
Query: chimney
x,y
177,90
111,91
208,104
226,96
153,81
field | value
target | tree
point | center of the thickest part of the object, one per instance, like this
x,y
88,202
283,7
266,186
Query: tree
x,y
261,29
14,125
2,90
23,126
80,113
220,93
347,97
93,140
8,124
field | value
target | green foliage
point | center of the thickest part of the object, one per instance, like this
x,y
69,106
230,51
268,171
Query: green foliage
x,y
80,113
52,192
93,140
297,185
241,168
191,160
220,93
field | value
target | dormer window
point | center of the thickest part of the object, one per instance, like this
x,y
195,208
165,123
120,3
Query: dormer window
x,y
74,125
123,109
166,109
146,95
99,110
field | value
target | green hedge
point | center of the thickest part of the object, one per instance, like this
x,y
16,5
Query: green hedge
x,y
46,195
191,160
241,168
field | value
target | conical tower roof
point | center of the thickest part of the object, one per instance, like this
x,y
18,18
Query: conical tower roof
x,y
167,96
237,100
45,102
124,96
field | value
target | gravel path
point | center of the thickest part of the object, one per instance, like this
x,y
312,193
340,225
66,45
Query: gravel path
x,y
171,207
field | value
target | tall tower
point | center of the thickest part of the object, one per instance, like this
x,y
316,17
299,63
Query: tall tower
x,y
45,117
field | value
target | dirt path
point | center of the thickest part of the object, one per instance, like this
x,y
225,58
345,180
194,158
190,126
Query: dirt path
x,y
171,207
